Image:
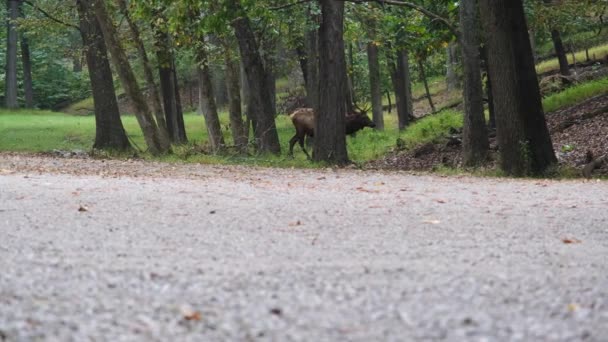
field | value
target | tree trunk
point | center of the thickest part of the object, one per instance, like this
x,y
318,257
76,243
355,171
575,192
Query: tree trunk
x,y
452,77
207,105
426,85
10,87
303,60
330,139
474,134
403,70
523,137
181,126
168,87
375,86
147,67
27,72
154,139
349,90
109,131
245,100
484,58
234,101
560,51
260,107
312,67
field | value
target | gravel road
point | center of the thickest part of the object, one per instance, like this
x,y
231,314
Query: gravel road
x,y
136,251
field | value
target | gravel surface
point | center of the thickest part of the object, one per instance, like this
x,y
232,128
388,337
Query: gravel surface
x,y
137,251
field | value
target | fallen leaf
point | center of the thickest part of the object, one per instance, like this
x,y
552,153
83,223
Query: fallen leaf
x,y
276,311
190,314
83,208
571,240
366,190
572,307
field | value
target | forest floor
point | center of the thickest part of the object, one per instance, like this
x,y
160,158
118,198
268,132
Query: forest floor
x,y
125,250
579,133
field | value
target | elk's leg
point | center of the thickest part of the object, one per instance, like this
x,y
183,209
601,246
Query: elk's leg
x,y
301,140
292,142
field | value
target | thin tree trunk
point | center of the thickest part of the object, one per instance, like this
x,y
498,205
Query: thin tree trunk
x,y
330,140
312,50
10,87
426,85
154,139
303,60
157,108
109,131
181,126
523,137
474,135
491,111
168,87
560,51
207,103
452,78
27,72
245,100
234,101
375,87
349,90
261,108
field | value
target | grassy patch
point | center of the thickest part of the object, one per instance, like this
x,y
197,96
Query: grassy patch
x,y
598,52
575,94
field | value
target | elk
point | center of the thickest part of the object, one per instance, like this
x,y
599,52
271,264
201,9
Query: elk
x,y
304,121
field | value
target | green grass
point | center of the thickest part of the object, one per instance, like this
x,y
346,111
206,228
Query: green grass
x,y
42,131
575,94
600,52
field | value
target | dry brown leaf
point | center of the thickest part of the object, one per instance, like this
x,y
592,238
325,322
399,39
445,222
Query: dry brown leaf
x,y
571,240
83,208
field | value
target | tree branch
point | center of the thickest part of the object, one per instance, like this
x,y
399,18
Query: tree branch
x,y
415,7
288,5
46,14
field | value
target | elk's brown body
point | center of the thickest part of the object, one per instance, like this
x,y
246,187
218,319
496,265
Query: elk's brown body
x,y
303,120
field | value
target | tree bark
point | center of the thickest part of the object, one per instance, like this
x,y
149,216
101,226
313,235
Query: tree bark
x,y
234,101
426,85
245,100
374,83
491,111
474,135
28,87
452,78
349,90
157,108
330,139
560,51
402,86
168,87
10,87
523,137
181,126
109,131
207,104
154,139
312,67
260,106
